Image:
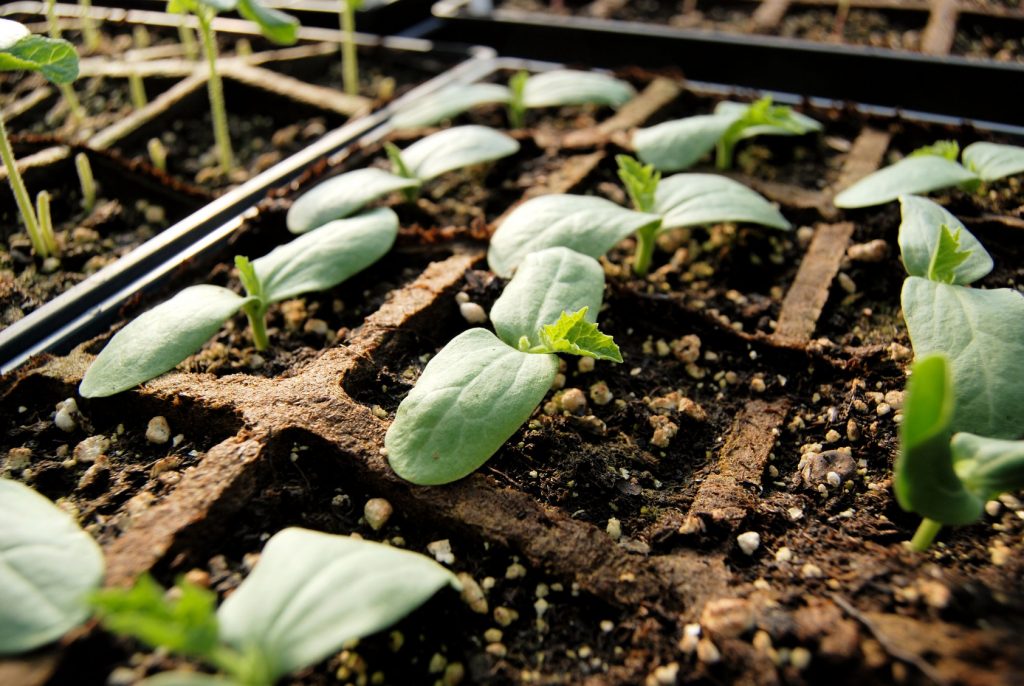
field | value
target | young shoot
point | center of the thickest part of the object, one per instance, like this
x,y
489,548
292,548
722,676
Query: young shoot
x,y
57,61
75,109
482,386
86,180
548,89
309,594
349,63
137,90
157,153
679,144
934,167
947,477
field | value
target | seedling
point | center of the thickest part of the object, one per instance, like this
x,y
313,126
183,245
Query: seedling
x,y
482,387
90,33
277,26
932,168
426,159
349,64
48,566
164,336
681,143
947,477
157,153
75,108
86,180
309,594
592,225
548,89
137,89
56,60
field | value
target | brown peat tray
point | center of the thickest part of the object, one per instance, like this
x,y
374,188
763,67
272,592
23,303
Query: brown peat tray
x,y
612,544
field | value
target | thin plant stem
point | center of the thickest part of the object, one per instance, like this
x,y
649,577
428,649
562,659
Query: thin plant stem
x,y
138,90
258,323
188,40
21,196
157,153
924,535
75,109
644,249
51,19
349,66
216,91
90,34
86,180
46,222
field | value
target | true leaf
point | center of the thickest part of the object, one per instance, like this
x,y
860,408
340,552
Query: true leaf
x,y
988,467
640,180
697,199
982,333
448,103
573,334
547,283
469,400
54,58
276,25
769,119
326,256
910,175
920,240
992,161
342,196
311,592
159,339
948,257
681,143
572,87
586,224
949,150
454,148
48,566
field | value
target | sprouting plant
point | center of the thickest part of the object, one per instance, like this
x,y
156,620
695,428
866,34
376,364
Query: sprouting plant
x,y
277,26
157,153
947,477
48,567
159,339
75,108
981,331
57,61
934,167
349,64
137,90
547,89
86,180
428,158
481,387
593,225
308,595
90,34
681,143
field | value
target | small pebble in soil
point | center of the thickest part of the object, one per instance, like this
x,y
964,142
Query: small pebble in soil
x,y
198,577
454,673
17,459
707,652
665,675
158,430
749,542
600,393
437,663
872,251
473,313
90,449
757,385
811,571
804,235
574,401
556,384
691,636
795,514
993,508
800,658
614,528
472,594
515,571
504,616
783,554
462,298
442,551
65,418
377,512
664,430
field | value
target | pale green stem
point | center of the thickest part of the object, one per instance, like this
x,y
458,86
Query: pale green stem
x,y
140,36
74,106
723,153
46,222
644,249
89,31
350,68
87,181
258,322
157,153
925,534
216,91
51,19
188,40
138,91
21,196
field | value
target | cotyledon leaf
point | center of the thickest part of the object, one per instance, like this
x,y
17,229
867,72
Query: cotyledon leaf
x,y
696,199
919,237
48,566
681,143
448,103
159,339
584,223
54,58
341,196
573,87
993,161
988,467
276,25
454,148
546,284
982,333
920,174
469,400
311,592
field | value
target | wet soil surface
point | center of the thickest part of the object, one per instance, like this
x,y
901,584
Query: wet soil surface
x,y
614,539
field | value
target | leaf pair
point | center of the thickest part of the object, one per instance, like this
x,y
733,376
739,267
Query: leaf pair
x,y
481,388
932,168
276,25
548,89
54,58
681,143
428,158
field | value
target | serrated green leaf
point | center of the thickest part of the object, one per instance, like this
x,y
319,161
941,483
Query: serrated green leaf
x,y
681,143
48,566
764,118
982,334
326,256
698,199
988,467
911,175
448,103
312,592
469,400
159,339
586,224
919,239
571,87
641,182
341,196
54,58
949,150
457,147
276,25
948,257
547,283
574,335
992,161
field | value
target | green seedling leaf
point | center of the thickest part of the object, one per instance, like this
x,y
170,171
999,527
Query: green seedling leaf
x,y
159,339
988,467
469,400
326,256
992,161
571,87
48,566
311,592
54,58
949,150
586,224
546,284
680,144
454,148
698,199
641,182
448,103
342,196
186,625
923,476
192,6
922,229
573,334
276,25
764,118
909,176
982,333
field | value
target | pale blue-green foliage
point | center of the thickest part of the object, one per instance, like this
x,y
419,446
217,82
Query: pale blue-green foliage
x,y
342,196
988,467
48,566
54,58
447,103
919,239
698,199
454,148
993,161
274,24
312,592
